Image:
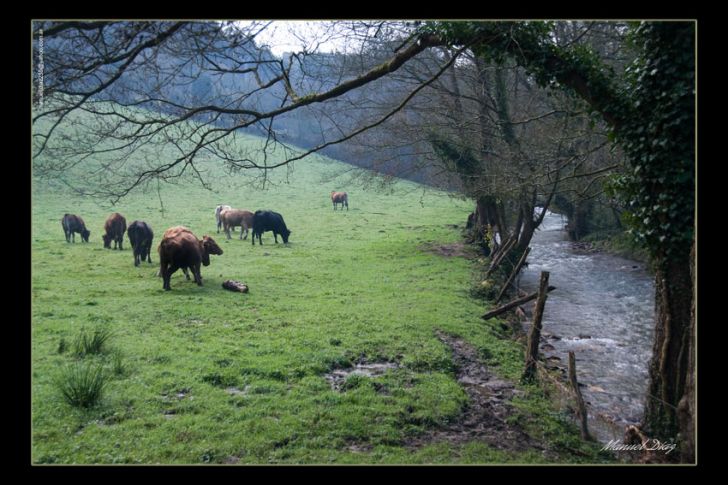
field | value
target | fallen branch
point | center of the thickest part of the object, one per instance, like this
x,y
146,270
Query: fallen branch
x,y
508,245
513,274
513,304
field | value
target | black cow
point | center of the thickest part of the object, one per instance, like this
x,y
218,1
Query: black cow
x,y
140,237
73,224
264,221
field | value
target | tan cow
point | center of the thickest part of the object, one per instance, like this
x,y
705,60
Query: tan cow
x,y
231,218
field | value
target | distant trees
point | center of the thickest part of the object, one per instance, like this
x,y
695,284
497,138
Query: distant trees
x,y
139,83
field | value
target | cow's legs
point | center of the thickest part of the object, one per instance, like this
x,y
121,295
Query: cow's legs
x,y
167,274
196,272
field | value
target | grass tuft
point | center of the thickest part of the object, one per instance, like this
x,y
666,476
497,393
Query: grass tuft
x,y
91,343
82,384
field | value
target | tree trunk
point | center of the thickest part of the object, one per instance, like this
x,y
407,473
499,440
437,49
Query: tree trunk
x,y
671,360
686,407
579,224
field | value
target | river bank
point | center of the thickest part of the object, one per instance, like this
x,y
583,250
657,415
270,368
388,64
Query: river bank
x,y
603,310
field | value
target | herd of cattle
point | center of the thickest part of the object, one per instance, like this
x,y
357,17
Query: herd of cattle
x,y
180,248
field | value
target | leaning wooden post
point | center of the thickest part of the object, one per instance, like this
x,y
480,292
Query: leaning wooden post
x,y
534,335
513,274
580,406
506,248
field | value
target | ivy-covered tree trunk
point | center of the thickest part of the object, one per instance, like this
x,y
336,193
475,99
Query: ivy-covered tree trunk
x,y
660,142
687,404
670,365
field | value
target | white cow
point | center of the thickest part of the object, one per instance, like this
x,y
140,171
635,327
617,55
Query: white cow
x,y
219,209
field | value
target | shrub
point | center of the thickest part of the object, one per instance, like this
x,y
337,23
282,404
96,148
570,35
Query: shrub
x,y
82,385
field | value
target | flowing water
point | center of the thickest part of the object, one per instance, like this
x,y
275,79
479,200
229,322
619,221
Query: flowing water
x,y
603,310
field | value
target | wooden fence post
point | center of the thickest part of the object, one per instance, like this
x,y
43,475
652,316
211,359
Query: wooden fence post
x,y
534,335
580,406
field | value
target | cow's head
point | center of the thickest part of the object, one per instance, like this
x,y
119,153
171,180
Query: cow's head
x,y
285,235
85,233
107,240
209,246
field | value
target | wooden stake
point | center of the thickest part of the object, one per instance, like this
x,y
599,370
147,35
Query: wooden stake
x,y
534,335
580,406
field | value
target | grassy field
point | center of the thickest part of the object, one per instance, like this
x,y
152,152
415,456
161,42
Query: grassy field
x,y
204,375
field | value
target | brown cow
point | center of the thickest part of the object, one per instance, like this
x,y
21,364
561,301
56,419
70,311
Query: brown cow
x,y
169,233
231,218
340,198
115,228
180,248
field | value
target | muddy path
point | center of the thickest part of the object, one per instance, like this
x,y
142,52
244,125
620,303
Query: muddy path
x,y
485,417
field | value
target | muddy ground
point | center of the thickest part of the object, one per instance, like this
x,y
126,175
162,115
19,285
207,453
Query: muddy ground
x,y
485,417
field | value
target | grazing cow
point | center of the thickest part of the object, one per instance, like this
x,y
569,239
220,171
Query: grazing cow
x,y
115,228
340,198
140,237
73,224
218,210
264,221
232,218
171,232
180,248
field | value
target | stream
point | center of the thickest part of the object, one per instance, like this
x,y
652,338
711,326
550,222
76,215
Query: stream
x,y
603,310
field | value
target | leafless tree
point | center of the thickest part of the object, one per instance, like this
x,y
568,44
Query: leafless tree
x,y
128,103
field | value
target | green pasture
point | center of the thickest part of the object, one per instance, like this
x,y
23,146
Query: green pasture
x,y
203,375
